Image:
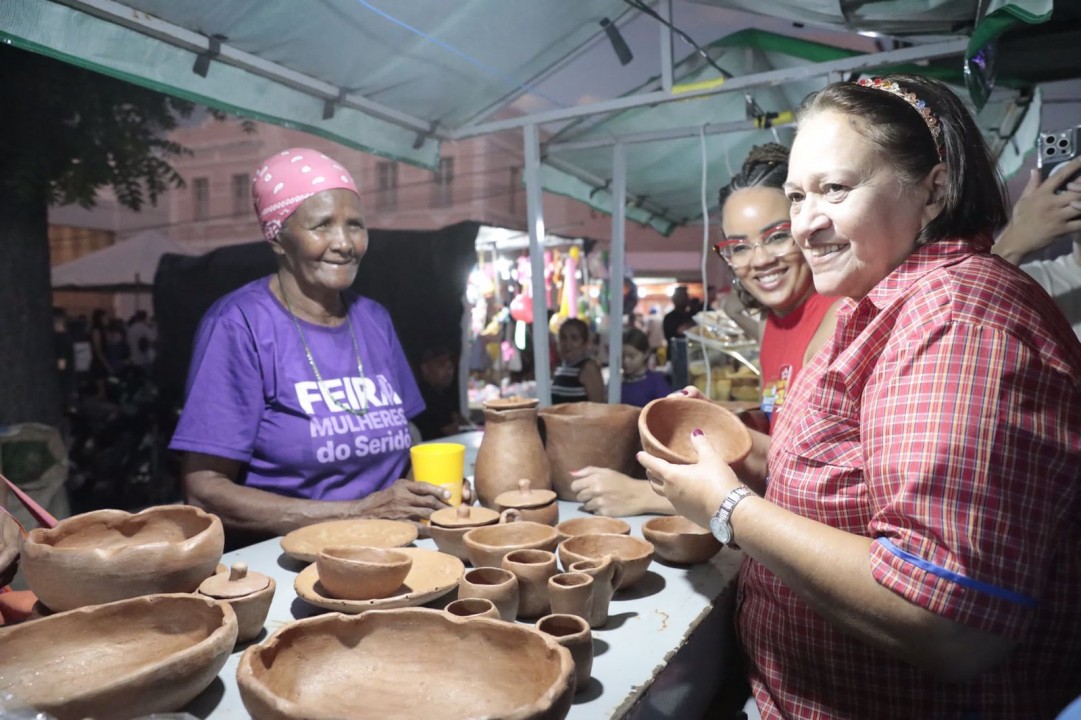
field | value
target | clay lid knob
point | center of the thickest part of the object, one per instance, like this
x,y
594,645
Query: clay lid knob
x,y
463,511
238,571
524,486
236,583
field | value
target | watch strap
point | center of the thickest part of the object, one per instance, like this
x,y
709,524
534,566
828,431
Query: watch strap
x,y
723,516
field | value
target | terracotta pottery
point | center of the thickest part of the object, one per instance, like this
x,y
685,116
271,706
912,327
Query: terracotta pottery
x,y
573,633
592,525
432,575
448,526
248,593
355,572
633,553
143,655
571,593
532,568
534,505
472,607
666,424
581,434
487,545
408,664
607,574
510,449
495,584
678,540
108,555
305,543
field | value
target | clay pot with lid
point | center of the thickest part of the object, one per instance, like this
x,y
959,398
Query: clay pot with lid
x,y
248,593
581,434
666,424
448,526
534,505
511,448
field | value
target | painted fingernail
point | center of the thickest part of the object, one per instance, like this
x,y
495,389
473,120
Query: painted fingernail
x,y
684,392
696,432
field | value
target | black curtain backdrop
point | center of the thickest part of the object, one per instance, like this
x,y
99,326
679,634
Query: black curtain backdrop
x,y
420,276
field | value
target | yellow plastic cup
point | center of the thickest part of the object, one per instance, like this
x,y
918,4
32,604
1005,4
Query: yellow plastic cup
x,y
440,464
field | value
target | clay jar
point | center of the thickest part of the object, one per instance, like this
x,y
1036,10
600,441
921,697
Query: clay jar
x,y
573,633
534,505
449,526
571,593
666,424
532,568
472,607
248,593
354,572
581,434
495,584
487,545
510,449
607,574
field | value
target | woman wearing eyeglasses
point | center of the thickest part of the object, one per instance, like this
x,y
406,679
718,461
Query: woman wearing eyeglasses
x,y
771,275
299,394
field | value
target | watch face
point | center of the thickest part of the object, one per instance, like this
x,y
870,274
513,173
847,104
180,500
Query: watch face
x,y
721,530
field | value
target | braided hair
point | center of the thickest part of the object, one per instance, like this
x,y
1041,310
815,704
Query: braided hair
x,y
765,166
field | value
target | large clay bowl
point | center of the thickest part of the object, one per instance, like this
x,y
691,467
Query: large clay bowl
x,y
666,424
678,540
354,572
634,554
108,555
487,545
134,657
405,664
592,525
581,434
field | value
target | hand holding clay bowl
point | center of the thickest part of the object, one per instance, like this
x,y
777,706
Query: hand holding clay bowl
x,y
355,572
634,554
594,525
408,663
678,540
108,555
487,545
666,424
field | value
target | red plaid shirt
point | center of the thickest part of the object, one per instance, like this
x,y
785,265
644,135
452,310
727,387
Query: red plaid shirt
x,y
944,420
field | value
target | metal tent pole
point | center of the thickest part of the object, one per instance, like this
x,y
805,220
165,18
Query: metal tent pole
x,y
615,274
535,214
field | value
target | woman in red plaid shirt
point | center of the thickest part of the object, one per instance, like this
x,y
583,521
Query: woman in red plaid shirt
x,y
912,541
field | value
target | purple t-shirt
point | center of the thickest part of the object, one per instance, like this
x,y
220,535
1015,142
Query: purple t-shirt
x,y
252,397
640,392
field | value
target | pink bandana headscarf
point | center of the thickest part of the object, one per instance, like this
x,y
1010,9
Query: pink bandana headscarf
x,y
287,179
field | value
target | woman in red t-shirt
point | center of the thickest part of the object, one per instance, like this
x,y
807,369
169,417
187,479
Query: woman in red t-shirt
x,y
771,275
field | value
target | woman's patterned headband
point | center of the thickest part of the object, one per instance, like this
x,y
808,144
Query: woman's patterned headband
x,y
918,105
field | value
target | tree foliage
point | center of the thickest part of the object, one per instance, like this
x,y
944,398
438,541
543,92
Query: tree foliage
x,y
65,133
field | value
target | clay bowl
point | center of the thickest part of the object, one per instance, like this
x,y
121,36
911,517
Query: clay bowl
x,y
593,525
449,526
665,427
108,555
338,666
633,553
125,659
678,540
487,545
472,607
355,572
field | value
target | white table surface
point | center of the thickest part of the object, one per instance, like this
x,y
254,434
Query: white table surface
x,y
662,653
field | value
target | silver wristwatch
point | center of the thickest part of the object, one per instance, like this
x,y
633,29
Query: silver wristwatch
x,y
720,524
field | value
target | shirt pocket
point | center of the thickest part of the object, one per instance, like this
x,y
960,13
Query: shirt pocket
x,y
822,439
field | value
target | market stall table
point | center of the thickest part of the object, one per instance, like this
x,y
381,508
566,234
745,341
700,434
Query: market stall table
x,y
665,651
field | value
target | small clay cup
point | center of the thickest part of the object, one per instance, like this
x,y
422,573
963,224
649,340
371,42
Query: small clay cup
x,y
495,584
573,633
666,424
472,607
248,593
357,572
487,545
449,526
633,553
537,506
571,593
607,574
533,568
680,541
592,525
